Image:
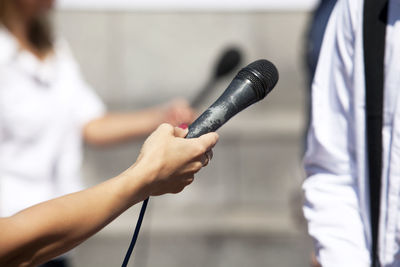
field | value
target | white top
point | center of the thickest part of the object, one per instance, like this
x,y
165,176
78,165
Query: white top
x,y
336,188
43,107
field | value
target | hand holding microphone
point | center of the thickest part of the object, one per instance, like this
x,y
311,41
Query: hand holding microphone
x,y
170,160
250,85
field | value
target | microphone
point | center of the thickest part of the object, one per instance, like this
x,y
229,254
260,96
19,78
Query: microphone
x,y
227,62
250,85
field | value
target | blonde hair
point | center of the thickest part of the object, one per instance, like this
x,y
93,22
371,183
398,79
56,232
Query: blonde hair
x,y
40,34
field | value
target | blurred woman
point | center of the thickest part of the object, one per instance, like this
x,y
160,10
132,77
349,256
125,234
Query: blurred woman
x,y
47,110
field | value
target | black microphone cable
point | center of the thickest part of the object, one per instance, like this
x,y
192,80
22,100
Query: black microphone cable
x,y
136,233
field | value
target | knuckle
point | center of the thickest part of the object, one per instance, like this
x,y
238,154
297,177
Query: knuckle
x,y
216,137
165,125
197,166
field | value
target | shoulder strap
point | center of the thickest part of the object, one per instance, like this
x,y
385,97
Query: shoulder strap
x,y
375,20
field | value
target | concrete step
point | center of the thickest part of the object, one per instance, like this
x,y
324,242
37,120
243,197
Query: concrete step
x,y
194,250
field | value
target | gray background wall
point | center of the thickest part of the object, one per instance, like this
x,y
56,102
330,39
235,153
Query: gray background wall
x,y
244,209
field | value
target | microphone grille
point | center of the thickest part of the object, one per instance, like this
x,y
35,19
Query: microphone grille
x,y
262,74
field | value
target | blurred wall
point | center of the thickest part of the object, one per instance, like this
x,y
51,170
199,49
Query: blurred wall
x,y
252,186
193,5
127,55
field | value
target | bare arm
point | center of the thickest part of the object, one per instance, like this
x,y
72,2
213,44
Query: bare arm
x,y
117,127
44,231
166,165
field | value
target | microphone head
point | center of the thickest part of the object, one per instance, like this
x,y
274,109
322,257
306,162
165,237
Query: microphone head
x,y
262,74
229,60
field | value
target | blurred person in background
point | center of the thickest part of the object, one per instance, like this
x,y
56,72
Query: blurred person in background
x,y
47,110
166,164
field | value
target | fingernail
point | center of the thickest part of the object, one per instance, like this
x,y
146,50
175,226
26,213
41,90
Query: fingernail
x,y
183,126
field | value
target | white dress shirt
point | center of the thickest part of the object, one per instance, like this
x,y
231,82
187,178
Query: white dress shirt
x,y
43,107
336,189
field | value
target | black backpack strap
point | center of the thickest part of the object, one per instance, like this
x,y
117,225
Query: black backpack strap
x,y
375,20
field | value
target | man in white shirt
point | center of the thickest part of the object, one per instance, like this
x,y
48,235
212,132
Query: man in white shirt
x,y
336,189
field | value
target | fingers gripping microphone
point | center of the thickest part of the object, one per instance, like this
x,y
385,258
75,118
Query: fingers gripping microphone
x,y
250,85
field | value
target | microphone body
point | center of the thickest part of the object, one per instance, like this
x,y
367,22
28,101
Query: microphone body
x,y
235,98
250,85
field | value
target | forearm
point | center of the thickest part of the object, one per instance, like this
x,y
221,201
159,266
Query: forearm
x,y
54,227
118,127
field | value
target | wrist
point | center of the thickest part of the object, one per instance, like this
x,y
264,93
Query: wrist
x,y
139,180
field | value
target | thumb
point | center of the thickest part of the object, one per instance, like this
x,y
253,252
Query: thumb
x,y
209,140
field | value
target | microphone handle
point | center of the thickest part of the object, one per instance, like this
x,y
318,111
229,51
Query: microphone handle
x,y
235,98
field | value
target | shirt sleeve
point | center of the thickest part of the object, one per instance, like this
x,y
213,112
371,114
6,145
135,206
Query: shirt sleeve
x,y
87,105
331,190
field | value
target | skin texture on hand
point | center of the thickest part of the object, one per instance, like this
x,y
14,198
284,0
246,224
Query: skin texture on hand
x,y
167,163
